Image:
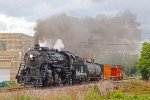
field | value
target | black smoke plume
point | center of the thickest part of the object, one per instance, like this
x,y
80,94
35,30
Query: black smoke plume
x,y
98,36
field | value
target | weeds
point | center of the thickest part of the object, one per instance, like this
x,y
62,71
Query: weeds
x,y
93,93
131,90
137,87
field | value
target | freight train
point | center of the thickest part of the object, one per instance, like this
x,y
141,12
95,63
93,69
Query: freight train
x,y
44,67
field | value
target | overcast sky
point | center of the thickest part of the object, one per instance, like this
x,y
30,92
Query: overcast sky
x,y
21,15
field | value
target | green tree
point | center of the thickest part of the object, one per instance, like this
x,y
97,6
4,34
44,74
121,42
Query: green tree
x,y
144,61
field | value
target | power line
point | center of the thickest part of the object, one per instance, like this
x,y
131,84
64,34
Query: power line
x,y
109,43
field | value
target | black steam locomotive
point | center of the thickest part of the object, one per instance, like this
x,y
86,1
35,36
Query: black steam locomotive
x,y
43,67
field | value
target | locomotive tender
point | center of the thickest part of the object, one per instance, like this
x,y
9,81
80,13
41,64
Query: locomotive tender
x,y
43,67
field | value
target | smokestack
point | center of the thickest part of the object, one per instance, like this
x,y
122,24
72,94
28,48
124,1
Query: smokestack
x,y
36,38
36,46
36,41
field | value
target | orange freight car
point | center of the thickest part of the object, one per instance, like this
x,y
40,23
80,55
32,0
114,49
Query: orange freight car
x,y
111,72
117,72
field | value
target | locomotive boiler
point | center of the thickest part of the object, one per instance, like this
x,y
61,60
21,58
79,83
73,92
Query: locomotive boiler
x,y
43,66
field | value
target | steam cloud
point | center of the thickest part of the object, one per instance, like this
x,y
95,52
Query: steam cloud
x,y
92,36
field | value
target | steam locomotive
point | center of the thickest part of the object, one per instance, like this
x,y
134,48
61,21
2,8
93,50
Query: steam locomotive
x,y
44,67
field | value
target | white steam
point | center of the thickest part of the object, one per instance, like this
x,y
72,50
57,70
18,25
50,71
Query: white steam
x,y
59,45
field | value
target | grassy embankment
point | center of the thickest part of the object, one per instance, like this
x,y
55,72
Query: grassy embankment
x,y
130,90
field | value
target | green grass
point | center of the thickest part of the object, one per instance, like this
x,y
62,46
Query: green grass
x,y
133,90
124,96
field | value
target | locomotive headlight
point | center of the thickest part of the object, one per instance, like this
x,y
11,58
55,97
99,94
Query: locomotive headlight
x,y
31,56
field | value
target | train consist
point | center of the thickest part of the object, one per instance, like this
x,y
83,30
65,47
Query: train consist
x,y
44,67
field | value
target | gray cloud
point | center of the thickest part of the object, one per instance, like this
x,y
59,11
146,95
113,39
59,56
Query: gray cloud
x,y
33,10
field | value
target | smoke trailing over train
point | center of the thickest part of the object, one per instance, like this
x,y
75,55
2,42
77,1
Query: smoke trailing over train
x,y
97,36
